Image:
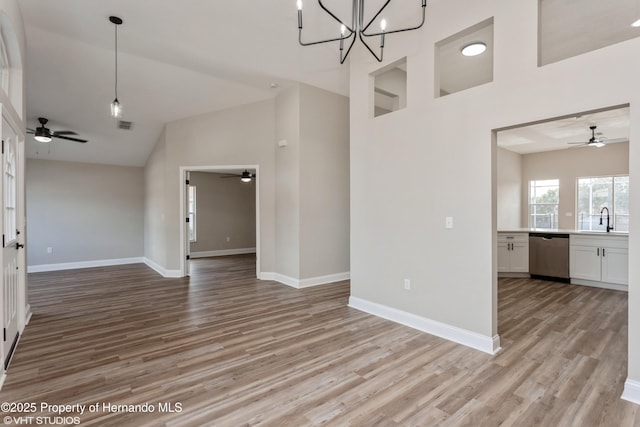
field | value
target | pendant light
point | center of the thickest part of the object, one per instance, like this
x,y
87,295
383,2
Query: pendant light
x,y
116,107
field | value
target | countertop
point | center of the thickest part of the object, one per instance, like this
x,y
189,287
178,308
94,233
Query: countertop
x,y
564,231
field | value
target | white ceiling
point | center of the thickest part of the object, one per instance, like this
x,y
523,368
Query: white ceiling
x,y
557,134
183,58
176,59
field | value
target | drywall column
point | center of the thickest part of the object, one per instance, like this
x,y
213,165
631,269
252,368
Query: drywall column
x,y
287,180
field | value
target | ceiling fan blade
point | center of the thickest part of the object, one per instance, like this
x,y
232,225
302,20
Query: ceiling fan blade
x,y
64,132
578,143
30,130
69,138
609,141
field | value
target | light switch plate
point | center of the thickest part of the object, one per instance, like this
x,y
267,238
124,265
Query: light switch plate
x,y
448,222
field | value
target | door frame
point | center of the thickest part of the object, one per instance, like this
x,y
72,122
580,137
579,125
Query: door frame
x,y
184,240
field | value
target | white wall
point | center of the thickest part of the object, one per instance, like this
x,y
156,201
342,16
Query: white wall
x,y
568,166
441,152
238,136
287,180
155,177
324,183
225,209
303,188
312,175
509,189
84,212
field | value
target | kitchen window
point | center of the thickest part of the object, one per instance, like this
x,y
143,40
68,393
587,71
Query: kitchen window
x,y
596,193
544,196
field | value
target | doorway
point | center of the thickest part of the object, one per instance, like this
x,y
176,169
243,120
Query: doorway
x,y
216,216
558,174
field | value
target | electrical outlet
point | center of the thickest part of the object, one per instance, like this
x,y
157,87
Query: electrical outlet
x,y
228,239
407,284
49,250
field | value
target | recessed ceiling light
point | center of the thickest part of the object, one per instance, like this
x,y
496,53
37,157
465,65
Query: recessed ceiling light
x,y
636,23
473,49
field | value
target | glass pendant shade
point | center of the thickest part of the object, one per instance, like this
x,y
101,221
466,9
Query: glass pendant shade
x,y
116,109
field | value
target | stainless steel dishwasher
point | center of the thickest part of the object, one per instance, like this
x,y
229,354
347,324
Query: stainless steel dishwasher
x,y
549,255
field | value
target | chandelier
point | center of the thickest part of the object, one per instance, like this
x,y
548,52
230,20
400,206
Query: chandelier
x,y
357,29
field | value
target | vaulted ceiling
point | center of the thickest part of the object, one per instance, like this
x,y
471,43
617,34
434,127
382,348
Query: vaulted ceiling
x,y
183,58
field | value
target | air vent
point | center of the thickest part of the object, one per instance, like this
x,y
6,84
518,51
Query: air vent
x,y
123,124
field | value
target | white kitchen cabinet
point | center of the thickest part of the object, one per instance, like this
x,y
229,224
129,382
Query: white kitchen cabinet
x,y
599,260
513,252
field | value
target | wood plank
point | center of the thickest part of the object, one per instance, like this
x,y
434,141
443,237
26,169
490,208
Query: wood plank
x,y
233,351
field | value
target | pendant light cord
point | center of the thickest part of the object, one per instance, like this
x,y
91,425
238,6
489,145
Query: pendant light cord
x,y
116,89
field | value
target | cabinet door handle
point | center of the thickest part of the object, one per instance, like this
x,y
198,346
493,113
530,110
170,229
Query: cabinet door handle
x,y
603,252
598,251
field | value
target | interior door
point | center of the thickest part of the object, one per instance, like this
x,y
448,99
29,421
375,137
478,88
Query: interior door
x,y
10,239
188,223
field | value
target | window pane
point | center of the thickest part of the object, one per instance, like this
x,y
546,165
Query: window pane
x,y
621,203
597,193
544,196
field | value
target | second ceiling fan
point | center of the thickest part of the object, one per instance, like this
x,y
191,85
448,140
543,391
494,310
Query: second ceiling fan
x,y
594,141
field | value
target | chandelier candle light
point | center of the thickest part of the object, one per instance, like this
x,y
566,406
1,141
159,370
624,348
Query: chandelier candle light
x,y
116,107
357,29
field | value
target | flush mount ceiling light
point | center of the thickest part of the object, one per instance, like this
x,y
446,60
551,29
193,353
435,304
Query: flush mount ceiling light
x,y
358,28
473,49
116,107
636,23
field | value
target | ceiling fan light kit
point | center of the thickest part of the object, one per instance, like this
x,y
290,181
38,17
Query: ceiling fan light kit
x,y
357,28
116,107
246,176
41,135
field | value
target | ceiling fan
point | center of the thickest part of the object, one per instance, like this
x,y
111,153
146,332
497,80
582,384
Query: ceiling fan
x,y
43,134
596,141
245,176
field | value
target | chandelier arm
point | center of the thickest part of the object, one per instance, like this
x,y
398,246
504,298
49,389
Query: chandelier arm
x,y
351,30
321,41
364,28
424,5
379,58
343,58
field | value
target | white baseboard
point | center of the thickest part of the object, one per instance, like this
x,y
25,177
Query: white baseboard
x,y
82,264
471,339
305,283
27,318
222,252
603,285
631,391
161,270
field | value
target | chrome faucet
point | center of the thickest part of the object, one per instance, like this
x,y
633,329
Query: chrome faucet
x,y
608,227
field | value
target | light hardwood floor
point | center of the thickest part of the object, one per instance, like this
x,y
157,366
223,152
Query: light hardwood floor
x,y
235,351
